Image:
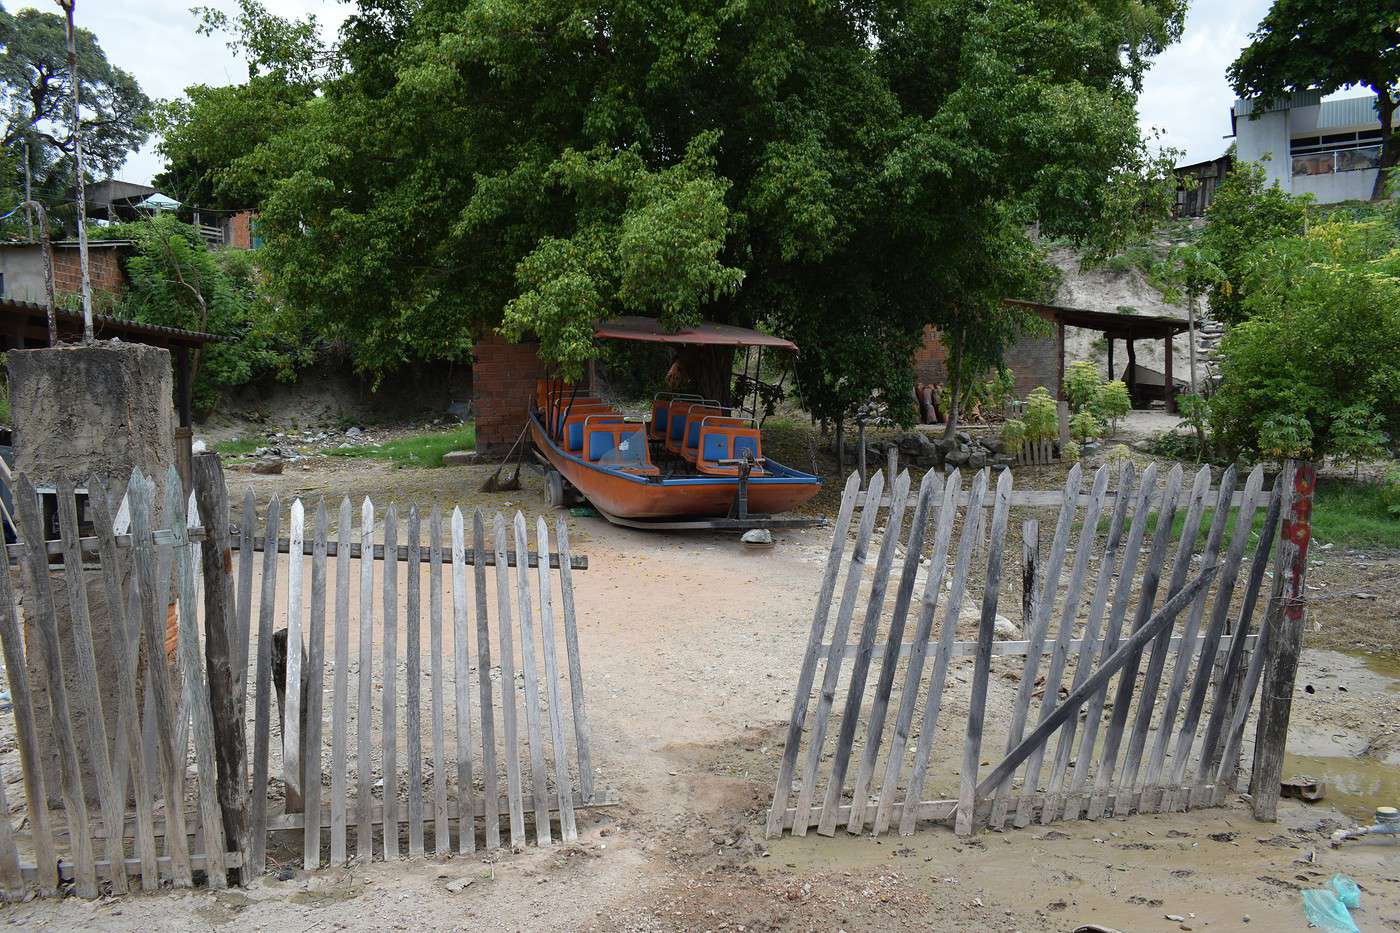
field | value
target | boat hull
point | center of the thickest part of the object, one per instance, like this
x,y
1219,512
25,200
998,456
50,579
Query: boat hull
x,y
635,497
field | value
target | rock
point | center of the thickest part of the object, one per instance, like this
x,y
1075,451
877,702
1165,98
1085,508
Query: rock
x,y
269,467
198,446
1175,918
459,458
963,437
958,456
459,885
1004,628
354,432
977,459
912,444
758,538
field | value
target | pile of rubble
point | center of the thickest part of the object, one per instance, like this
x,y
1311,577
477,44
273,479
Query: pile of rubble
x,y
962,450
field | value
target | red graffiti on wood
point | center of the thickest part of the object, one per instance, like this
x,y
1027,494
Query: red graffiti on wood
x,y
1297,528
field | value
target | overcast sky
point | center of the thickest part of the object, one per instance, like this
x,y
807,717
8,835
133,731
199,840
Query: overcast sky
x,y
1185,96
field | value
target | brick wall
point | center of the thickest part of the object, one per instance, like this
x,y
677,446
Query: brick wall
x,y
104,270
240,230
1036,361
503,381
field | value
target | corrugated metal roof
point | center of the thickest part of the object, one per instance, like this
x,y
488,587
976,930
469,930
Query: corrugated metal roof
x,y
1244,108
104,326
1353,111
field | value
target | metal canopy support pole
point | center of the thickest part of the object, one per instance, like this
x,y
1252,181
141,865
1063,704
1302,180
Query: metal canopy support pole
x,y
1168,383
184,413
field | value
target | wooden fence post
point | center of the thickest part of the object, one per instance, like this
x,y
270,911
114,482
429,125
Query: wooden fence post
x,y
230,744
1285,639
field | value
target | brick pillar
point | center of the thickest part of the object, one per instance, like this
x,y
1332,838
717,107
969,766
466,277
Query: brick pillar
x,y
503,382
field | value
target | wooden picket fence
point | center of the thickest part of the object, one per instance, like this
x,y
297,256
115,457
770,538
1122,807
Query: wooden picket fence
x,y
1139,754
206,688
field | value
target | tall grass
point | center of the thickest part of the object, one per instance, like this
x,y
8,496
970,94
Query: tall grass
x,y
421,450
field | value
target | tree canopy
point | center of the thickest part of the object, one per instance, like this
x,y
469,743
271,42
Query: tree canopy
x,y
38,104
840,173
1316,44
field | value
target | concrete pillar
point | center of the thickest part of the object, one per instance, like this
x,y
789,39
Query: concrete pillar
x,y
79,410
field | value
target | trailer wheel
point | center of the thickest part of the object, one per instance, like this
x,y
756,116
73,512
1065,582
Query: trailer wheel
x,y
554,488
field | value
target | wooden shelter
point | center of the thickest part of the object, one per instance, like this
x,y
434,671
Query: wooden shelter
x,y
1129,328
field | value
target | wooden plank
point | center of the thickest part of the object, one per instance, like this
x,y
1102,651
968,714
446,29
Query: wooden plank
x,y
315,694
413,678
1195,703
508,725
221,650
860,670
1127,573
1074,595
461,666
923,627
45,626
1234,731
127,759
566,597
782,791
1003,770
11,879
1151,798
491,822
85,681
341,699
364,706
538,779
31,764
196,689
291,720
244,598
390,675
977,705
1045,605
1087,646
1123,697
816,737
1220,713
606,797
442,842
400,553
1157,659
262,696
931,485
1017,648
971,533
1285,620
1036,499
568,828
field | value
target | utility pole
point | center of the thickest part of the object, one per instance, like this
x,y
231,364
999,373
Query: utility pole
x,y
48,267
28,196
67,7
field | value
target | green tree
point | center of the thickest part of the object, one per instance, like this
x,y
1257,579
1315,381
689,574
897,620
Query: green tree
x,y
844,175
38,99
1112,402
177,281
1321,339
1082,383
1315,44
1245,212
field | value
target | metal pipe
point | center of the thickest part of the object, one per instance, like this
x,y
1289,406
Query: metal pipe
x,y
48,268
1387,824
68,6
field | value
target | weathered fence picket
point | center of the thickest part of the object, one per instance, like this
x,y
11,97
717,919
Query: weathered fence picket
x,y
1074,650
179,674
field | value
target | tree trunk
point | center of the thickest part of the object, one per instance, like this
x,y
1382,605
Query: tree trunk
x,y
709,371
1390,153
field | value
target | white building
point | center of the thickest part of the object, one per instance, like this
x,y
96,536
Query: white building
x,y
1330,149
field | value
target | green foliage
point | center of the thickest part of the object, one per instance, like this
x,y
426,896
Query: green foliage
x,y
423,450
1358,515
844,175
1321,336
1315,44
1001,388
1084,426
176,281
1071,451
1119,454
1390,491
1357,435
1042,416
1245,212
38,97
1082,383
1195,411
1112,402
1013,436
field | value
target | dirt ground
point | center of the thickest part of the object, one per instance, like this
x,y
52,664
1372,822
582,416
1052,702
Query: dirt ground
x,y
690,647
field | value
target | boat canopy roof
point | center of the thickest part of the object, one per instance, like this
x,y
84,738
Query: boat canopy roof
x,y
649,329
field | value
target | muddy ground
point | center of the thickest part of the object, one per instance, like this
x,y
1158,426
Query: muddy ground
x,y
690,648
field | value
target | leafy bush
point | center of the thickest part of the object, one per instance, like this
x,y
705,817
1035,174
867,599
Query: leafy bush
x,y
1084,426
1071,451
1001,389
1042,416
1390,491
1321,337
1081,384
1013,436
1357,435
1112,402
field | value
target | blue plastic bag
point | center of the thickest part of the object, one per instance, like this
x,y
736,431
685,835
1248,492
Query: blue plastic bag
x,y
1325,910
1346,890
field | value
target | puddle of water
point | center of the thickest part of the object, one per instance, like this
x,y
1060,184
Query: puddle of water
x,y
1355,786
1387,665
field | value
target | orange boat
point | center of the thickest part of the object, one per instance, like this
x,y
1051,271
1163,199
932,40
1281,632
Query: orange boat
x,y
693,464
